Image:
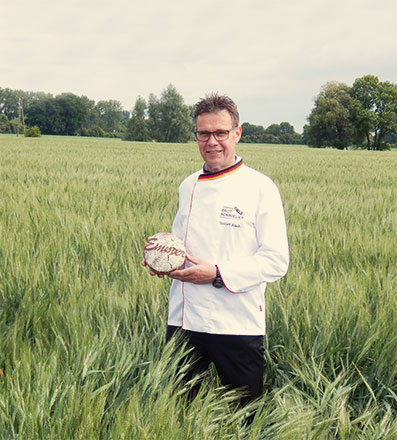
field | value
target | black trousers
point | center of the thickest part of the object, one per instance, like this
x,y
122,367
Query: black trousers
x,y
239,360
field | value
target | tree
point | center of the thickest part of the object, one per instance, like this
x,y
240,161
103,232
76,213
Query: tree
x,y
72,113
391,139
283,133
65,114
92,117
374,109
252,133
176,121
154,120
305,134
109,115
5,126
45,114
9,100
9,103
330,123
137,127
169,118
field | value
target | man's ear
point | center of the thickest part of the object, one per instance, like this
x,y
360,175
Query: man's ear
x,y
238,132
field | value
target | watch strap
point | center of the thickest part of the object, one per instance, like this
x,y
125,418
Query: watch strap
x,y
218,282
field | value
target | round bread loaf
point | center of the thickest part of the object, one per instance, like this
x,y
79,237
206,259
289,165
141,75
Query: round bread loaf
x,y
164,252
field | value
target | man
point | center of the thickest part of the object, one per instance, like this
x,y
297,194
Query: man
x,y
231,220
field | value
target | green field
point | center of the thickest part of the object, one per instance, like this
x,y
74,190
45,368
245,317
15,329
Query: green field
x,y
82,325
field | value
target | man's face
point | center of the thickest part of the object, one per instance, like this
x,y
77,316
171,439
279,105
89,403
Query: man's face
x,y
218,155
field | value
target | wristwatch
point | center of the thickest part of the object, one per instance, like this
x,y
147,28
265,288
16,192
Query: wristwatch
x,y
218,279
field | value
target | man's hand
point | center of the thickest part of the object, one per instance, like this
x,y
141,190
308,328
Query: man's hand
x,y
201,273
151,271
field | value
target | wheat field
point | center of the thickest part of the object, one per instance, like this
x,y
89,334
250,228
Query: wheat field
x,y
82,353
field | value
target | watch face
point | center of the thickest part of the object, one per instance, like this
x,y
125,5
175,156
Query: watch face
x,y
218,282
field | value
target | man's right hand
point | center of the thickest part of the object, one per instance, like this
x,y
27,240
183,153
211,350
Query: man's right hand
x,y
200,272
151,271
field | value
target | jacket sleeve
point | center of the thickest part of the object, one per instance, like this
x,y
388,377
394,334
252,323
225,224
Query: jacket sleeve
x,y
271,259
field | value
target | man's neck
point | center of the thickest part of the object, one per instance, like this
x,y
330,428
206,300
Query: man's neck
x,y
206,170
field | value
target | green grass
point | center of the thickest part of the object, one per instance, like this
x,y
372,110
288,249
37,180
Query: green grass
x,y
82,325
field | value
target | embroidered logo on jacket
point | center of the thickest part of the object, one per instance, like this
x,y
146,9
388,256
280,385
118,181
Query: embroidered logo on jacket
x,y
231,216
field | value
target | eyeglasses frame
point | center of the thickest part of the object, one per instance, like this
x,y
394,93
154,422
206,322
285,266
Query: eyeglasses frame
x,y
213,133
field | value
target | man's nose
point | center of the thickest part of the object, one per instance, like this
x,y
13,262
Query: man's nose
x,y
212,140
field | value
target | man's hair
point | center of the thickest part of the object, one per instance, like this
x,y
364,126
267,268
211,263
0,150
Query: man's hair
x,y
214,103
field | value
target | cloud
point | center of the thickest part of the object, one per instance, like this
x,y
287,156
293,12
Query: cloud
x,y
272,55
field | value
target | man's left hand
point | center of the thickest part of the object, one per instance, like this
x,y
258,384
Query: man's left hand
x,y
201,273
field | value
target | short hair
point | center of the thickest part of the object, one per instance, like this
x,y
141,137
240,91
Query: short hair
x,y
214,103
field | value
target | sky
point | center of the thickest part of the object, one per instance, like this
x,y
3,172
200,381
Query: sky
x,y
270,56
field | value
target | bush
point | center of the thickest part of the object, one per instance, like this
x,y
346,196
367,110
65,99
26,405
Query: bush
x,y
33,132
93,131
384,146
5,126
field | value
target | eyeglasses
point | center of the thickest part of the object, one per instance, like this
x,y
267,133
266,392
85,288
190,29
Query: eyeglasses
x,y
219,135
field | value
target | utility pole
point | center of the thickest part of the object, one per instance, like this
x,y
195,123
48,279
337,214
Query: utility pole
x,y
21,115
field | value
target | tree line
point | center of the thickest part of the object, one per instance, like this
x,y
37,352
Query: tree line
x,y
161,119
362,116
64,114
283,133
168,119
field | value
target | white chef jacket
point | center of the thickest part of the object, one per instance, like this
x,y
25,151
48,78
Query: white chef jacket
x,y
233,219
